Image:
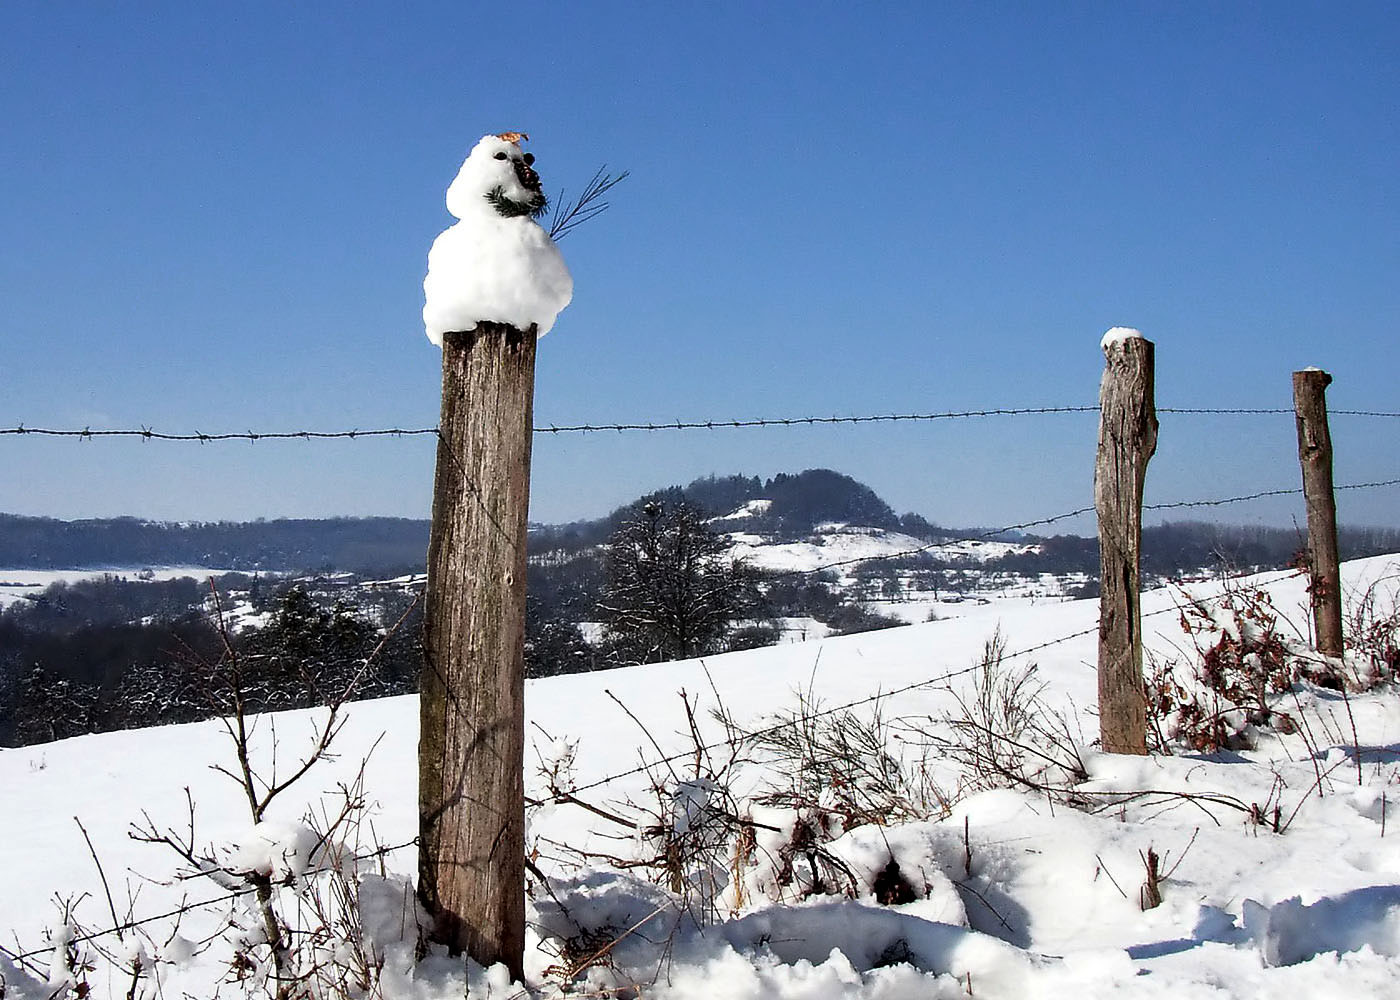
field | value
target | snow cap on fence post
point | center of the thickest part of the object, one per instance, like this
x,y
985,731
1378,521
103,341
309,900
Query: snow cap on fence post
x,y
1117,334
496,264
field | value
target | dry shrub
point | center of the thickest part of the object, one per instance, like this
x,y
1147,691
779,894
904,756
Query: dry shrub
x,y
1243,656
841,763
1372,633
1004,735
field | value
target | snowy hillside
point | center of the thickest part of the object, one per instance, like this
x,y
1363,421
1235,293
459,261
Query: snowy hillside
x,y
873,566
847,544
1278,860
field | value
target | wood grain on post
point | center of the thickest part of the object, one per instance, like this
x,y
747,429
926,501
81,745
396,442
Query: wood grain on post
x,y
1315,456
1127,439
471,746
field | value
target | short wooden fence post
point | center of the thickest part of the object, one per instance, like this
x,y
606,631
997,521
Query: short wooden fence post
x,y
1315,457
1127,439
471,744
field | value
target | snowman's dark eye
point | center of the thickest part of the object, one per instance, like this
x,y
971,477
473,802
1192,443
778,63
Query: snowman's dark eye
x,y
529,159
501,155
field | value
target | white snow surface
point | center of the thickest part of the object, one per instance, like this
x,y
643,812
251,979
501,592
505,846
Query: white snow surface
x,y
490,268
834,542
750,508
1118,334
1013,897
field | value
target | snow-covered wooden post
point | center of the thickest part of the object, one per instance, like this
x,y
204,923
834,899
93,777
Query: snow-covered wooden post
x,y
495,282
1127,439
1315,457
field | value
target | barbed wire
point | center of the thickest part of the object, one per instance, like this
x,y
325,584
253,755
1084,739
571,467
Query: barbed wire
x,y
147,434
1267,410
1296,491
1226,411
561,796
683,425
150,434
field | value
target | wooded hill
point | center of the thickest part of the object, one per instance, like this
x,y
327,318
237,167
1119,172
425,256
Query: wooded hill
x,y
797,503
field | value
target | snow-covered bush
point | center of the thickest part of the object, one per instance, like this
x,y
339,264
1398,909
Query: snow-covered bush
x,y
1372,633
1244,657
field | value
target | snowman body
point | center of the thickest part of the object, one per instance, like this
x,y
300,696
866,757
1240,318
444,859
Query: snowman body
x,y
496,264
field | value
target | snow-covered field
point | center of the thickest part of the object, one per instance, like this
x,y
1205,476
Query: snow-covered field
x,y
1016,894
21,584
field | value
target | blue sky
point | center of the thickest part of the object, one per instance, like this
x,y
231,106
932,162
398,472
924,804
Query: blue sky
x,y
216,217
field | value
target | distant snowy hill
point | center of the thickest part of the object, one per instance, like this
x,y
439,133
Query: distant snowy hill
x,y
847,545
1277,860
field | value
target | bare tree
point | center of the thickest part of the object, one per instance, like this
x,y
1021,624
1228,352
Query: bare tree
x,y
672,591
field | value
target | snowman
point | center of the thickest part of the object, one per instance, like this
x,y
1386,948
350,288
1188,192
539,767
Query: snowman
x,y
496,264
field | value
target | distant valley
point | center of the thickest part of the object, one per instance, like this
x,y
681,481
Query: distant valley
x,y
115,623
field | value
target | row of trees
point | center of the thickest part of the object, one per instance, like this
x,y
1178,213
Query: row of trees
x,y
373,543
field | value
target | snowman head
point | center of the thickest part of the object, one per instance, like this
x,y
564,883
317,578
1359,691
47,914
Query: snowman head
x,y
497,178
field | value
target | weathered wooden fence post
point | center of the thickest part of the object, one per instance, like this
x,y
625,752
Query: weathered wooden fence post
x,y
1127,439
471,752
1315,456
